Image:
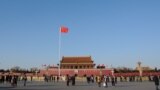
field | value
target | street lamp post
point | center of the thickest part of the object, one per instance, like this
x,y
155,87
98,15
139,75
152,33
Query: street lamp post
x,y
140,69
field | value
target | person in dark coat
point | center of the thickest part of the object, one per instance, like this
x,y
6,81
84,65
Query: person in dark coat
x,y
54,79
67,79
113,81
73,80
88,79
156,81
140,78
57,78
15,80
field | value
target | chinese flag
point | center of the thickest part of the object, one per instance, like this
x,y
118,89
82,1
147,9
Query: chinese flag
x,y
64,29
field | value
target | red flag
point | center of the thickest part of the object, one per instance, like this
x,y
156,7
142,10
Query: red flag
x,y
64,29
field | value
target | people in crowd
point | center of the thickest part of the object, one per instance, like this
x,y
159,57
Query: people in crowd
x,y
24,80
73,78
54,79
88,79
113,81
92,78
99,81
121,80
156,81
57,78
67,79
105,81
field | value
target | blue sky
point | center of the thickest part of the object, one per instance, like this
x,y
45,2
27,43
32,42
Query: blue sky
x,y
113,32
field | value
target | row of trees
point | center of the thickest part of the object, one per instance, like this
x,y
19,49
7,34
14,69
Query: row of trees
x,y
126,70
20,70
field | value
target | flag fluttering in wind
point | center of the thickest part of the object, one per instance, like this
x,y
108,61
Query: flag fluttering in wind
x,y
64,29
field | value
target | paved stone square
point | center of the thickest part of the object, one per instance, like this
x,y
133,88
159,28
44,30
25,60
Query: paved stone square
x,y
79,86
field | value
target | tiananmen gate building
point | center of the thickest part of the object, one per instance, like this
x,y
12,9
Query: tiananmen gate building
x,y
77,63
81,66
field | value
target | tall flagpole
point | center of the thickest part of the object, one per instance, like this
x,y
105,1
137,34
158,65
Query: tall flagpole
x,y
59,51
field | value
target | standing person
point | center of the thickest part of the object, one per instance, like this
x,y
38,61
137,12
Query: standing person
x,y
25,80
156,81
57,78
125,78
113,81
106,81
140,78
73,80
31,78
2,78
92,79
54,78
149,78
67,79
96,79
88,79
99,81
15,80
121,80
51,77
12,81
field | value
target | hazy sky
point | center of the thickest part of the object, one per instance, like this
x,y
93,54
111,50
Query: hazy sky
x,y
113,32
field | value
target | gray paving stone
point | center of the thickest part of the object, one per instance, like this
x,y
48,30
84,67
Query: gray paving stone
x,y
79,86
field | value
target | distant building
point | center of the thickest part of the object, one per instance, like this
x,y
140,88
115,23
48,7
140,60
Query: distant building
x,y
77,63
144,68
